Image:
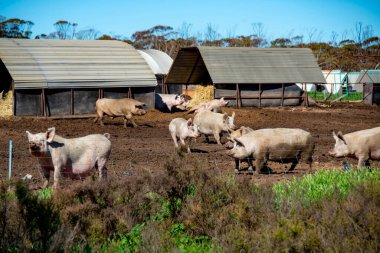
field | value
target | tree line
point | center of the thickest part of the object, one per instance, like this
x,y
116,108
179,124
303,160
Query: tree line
x,y
353,51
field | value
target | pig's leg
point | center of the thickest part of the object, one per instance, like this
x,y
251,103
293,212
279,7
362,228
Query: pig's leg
x,y
57,175
249,160
237,165
295,162
46,173
174,137
99,117
217,137
362,161
129,117
102,169
260,163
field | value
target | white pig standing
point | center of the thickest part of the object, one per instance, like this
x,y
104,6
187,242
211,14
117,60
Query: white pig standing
x,y
74,158
214,123
364,145
274,144
182,129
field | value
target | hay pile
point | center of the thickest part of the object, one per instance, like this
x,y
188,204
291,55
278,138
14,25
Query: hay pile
x,y
203,94
6,105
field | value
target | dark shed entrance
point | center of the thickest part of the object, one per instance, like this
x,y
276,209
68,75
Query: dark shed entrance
x,y
53,77
371,86
248,76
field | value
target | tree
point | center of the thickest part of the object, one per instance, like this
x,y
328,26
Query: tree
x,y
87,34
15,28
64,30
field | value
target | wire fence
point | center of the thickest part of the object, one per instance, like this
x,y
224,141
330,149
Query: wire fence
x,y
129,162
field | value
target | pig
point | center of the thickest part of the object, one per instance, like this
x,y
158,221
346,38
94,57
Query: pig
x,y
166,102
124,107
273,144
73,158
231,141
214,123
236,134
182,129
364,145
213,105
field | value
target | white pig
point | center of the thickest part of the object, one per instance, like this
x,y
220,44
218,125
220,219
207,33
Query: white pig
x,y
74,158
274,144
214,123
214,105
168,101
182,129
364,145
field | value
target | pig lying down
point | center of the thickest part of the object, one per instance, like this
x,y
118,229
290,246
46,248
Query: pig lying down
x,y
124,107
282,145
364,145
166,102
73,158
182,129
214,105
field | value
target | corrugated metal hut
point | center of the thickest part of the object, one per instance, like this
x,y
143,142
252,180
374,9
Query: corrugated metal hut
x,y
248,76
160,63
371,86
66,77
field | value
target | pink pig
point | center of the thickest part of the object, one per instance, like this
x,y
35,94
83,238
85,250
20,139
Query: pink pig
x,y
73,158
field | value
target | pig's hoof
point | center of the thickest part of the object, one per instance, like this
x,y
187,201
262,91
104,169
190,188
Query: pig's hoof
x,y
237,171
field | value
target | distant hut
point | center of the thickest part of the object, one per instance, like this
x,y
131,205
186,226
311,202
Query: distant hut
x,y
160,63
66,77
370,79
248,76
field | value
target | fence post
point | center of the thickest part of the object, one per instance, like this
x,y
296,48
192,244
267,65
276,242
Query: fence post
x,y
10,164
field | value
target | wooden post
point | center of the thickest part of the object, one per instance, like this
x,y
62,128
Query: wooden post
x,y
259,95
238,102
307,97
72,102
43,103
282,95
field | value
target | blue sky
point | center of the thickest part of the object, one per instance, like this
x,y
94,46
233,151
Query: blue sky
x,y
279,18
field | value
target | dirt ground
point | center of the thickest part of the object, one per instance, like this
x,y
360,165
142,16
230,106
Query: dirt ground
x,y
145,150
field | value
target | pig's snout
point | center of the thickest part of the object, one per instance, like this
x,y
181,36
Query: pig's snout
x,y
332,153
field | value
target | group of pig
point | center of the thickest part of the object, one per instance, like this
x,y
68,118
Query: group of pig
x,y
75,158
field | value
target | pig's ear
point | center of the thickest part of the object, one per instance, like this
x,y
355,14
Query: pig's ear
x,y
225,116
222,99
29,135
233,115
189,122
239,143
340,136
50,134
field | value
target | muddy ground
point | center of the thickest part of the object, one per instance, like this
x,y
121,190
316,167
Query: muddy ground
x,y
146,149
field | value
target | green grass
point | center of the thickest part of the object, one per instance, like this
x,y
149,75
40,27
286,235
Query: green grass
x,y
352,96
323,184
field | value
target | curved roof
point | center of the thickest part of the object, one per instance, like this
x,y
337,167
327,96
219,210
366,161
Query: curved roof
x,y
158,61
74,63
221,65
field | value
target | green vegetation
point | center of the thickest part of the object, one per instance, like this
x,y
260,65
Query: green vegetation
x,y
320,96
189,209
323,184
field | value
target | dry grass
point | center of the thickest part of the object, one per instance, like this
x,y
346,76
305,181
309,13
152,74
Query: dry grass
x,y
6,105
203,94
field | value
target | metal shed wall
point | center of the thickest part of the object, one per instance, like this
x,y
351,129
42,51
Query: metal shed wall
x,y
244,66
67,77
70,63
248,76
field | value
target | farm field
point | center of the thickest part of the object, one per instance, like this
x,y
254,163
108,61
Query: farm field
x,y
146,149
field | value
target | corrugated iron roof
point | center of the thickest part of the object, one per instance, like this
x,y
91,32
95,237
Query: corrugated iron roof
x,y
74,63
221,65
158,61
